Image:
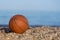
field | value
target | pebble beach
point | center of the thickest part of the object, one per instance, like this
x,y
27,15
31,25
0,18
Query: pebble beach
x,y
37,33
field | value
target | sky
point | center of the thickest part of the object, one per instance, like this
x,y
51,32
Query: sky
x,y
44,5
33,16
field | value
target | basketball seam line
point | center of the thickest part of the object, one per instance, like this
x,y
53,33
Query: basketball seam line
x,y
10,25
17,25
24,21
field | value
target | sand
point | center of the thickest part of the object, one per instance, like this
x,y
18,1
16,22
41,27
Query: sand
x,y
37,33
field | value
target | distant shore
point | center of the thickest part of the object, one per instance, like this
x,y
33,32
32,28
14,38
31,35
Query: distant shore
x,y
5,25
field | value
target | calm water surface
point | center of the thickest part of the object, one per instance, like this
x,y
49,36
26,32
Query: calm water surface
x,y
34,17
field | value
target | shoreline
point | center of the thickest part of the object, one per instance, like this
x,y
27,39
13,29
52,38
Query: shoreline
x,y
5,25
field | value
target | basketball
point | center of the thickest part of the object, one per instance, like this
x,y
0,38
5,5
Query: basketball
x,y
18,24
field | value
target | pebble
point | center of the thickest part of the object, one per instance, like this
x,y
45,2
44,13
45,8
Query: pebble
x,y
37,33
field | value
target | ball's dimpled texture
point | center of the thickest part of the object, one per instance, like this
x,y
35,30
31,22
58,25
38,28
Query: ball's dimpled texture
x,y
18,24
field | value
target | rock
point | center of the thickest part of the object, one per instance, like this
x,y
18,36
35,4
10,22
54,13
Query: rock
x,y
37,33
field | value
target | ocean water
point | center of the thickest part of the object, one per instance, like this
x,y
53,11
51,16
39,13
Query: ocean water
x,y
34,17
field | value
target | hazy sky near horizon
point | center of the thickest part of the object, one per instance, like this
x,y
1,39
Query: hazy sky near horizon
x,y
47,5
47,11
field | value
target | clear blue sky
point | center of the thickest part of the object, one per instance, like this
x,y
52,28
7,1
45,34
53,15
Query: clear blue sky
x,y
48,5
34,17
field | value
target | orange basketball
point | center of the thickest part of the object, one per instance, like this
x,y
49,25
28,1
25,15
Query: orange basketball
x,y
18,24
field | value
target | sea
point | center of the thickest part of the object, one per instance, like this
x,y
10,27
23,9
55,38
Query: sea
x,y
35,17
